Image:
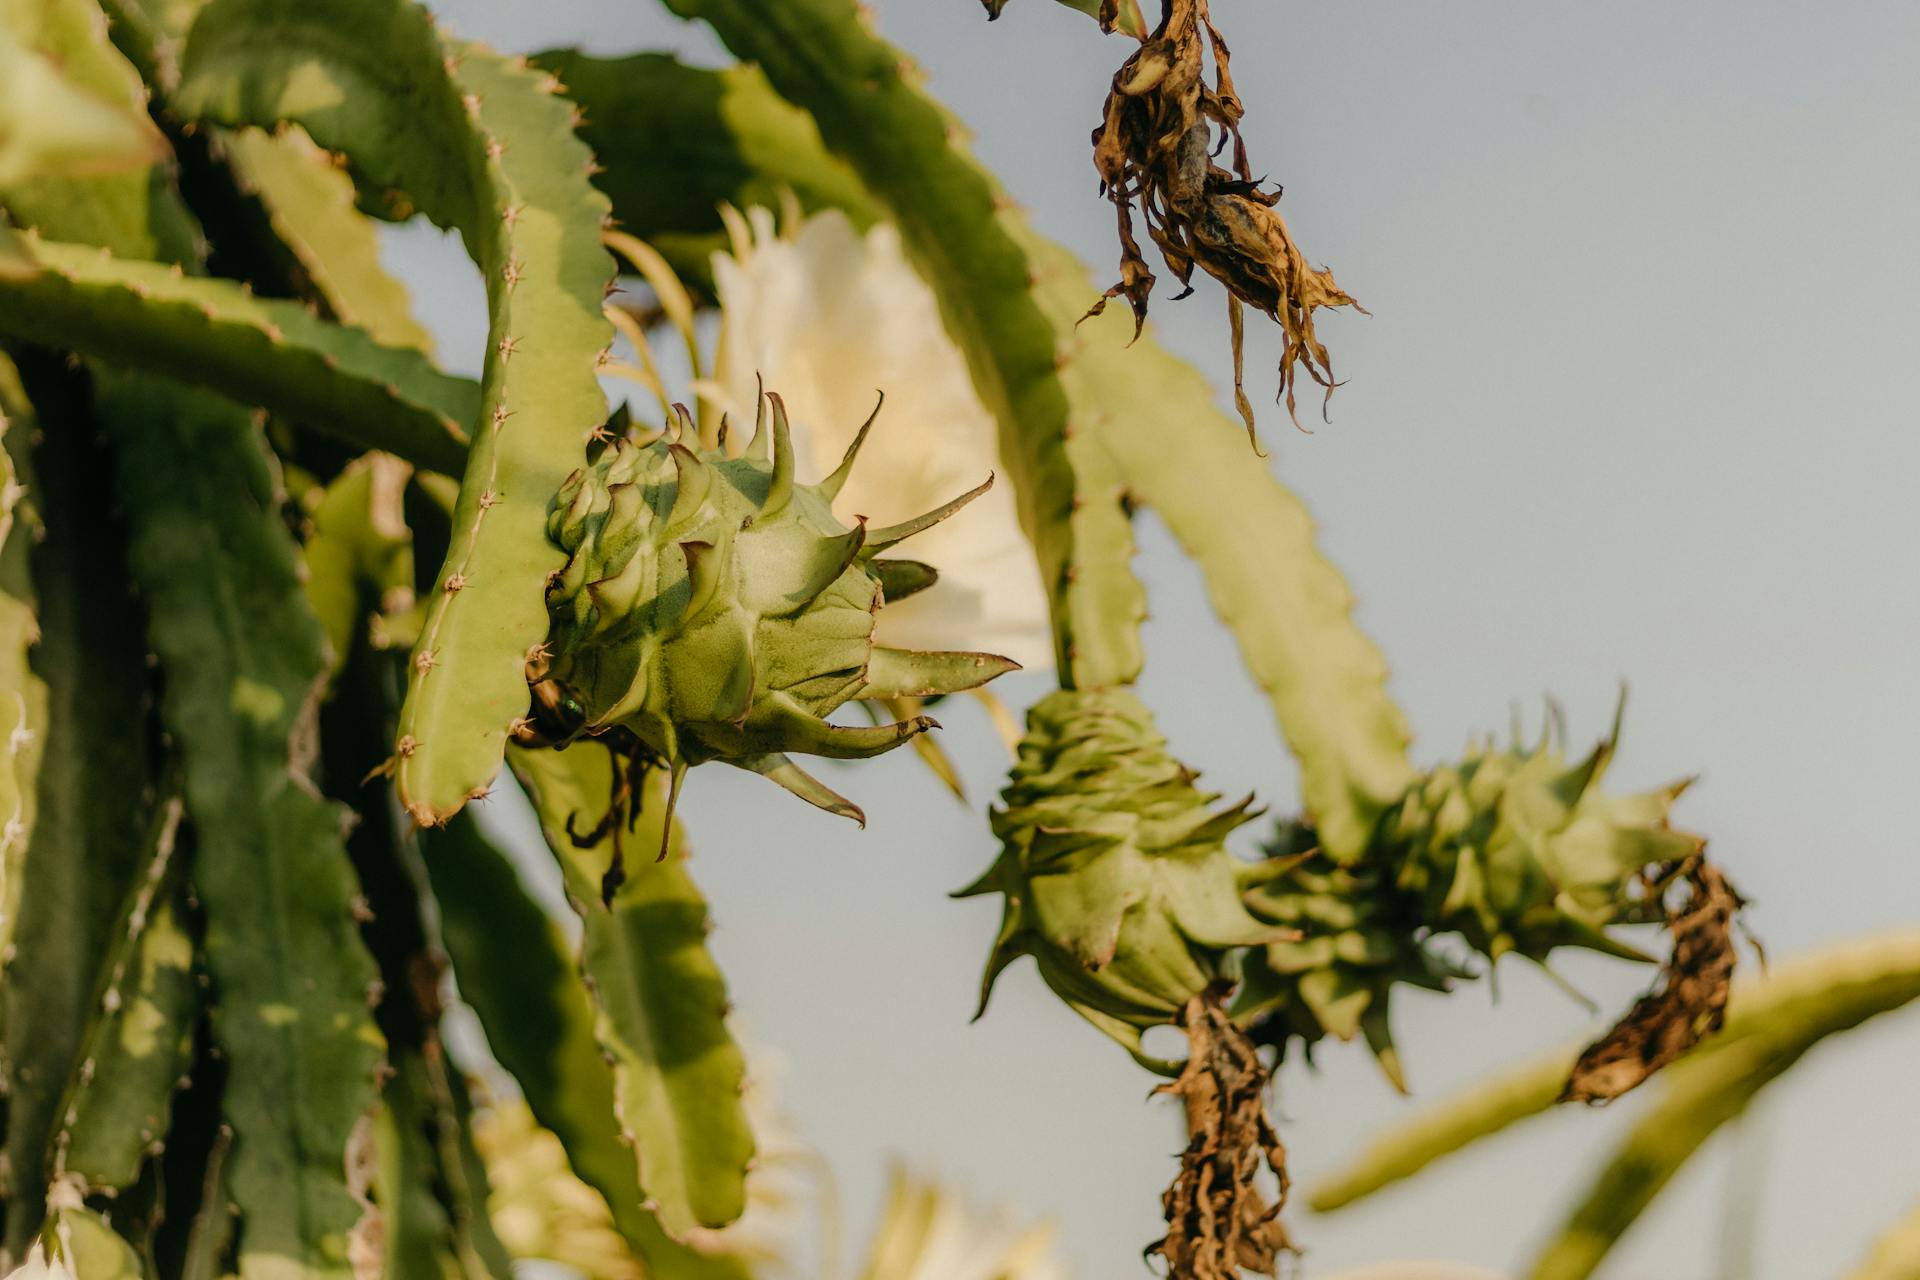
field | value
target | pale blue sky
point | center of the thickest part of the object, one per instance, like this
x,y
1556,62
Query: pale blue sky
x,y
1636,401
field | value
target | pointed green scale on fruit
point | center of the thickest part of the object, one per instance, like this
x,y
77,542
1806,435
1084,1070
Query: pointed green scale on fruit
x,y
902,578
735,626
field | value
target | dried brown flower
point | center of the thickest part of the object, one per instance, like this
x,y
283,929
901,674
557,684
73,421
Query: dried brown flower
x,y
1688,1004
1218,1222
1155,151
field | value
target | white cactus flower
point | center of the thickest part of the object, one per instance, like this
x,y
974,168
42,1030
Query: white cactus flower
x,y
929,1233
828,317
39,1267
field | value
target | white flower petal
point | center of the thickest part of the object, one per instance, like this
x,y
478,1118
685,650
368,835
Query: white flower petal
x,y
39,1267
829,318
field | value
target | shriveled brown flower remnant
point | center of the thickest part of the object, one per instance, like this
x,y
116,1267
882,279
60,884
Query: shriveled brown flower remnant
x,y
1688,1004
1218,1221
1155,149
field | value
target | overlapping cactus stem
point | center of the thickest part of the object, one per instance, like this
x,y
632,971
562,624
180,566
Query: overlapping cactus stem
x,y
1515,850
713,608
1154,149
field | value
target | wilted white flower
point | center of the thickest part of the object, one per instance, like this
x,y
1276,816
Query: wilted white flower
x,y
39,1267
828,317
929,1233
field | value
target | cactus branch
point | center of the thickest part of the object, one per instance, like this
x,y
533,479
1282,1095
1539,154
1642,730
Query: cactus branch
x,y
482,144
333,378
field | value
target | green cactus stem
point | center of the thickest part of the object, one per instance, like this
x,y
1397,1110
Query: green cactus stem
x,y
659,1002
290,977
93,807
681,141
310,204
116,1110
334,378
482,144
1880,972
539,1019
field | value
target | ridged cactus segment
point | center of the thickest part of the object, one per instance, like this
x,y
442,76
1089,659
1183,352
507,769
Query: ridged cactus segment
x,y
681,141
482,144
1113,868
135,212
539,1022
330,377
23,695
712,608
310,203
958,230
660,1005
421,1237
90,829
1703,1091
290,978
1287,606
116,1110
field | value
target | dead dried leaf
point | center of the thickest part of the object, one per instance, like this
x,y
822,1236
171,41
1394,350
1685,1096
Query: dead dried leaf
x,y
1689,1001
1218,1221
1155,150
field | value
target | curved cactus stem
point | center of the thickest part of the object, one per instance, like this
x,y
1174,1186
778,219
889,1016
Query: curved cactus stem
x,y
411,1159
270,864
90,822
310,204
539,1022
23,695
51,126
116,1108
864,97
660,1003
710,138
332,378
1871,973
482,144
1896,1255
902,673
1287,606
780,768
135,211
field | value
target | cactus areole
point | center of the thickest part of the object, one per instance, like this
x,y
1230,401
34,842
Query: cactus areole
x,y
714,608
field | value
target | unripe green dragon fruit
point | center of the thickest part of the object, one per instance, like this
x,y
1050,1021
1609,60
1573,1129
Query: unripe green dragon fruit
x,y
713,608
1113,867
1359,935
1513,851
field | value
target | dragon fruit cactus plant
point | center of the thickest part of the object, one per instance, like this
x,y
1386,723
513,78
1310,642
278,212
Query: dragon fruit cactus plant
x,y
281,597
